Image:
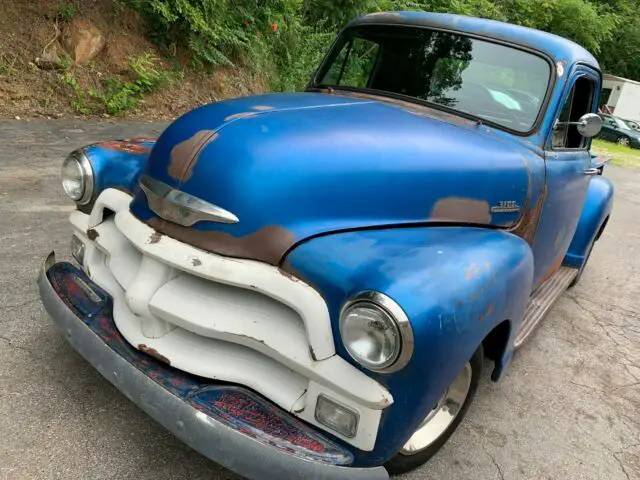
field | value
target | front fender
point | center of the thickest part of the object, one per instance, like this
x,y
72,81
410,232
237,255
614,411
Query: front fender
x,y
596,210
456,284
118,163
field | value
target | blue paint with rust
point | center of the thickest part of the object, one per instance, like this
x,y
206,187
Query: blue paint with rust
x,y
566,185
338,163
118,163
357,182
455,284
595,212
235,407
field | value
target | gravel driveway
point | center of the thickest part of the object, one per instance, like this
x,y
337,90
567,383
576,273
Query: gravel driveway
x,y
568,408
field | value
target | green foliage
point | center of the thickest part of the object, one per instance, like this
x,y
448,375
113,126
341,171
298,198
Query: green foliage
x,y
283,41
7,65
64,62
116,96
334,14
66,11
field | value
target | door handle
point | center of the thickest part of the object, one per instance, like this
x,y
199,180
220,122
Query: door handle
x,y
592,171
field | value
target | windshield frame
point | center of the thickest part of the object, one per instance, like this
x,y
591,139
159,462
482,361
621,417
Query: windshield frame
x,y
343,37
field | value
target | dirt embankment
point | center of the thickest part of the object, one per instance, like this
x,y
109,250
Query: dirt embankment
x,y
32,84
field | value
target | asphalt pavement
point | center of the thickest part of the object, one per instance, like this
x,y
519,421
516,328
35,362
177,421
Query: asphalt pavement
x,y
568,407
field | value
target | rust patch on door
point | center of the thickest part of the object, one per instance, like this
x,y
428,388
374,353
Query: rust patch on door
x,y
457,209
184,156
268,244
554,268
153,353
559,237
528,224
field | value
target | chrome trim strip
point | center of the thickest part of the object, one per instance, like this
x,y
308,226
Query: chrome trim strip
x,y
180,207
87,170
402,321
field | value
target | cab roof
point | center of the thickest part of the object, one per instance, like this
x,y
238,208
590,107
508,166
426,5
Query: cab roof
x,y
558,48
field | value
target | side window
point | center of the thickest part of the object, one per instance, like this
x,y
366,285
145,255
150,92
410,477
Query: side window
x,y
354,65
578,103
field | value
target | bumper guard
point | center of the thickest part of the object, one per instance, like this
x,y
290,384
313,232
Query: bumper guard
x,y
227,424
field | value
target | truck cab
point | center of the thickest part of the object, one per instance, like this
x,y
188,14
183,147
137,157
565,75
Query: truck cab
x,y
306,284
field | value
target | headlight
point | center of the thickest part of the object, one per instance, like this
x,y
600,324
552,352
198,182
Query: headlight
x,y
77,177
376,332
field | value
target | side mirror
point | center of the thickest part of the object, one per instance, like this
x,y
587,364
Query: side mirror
x,y
588,126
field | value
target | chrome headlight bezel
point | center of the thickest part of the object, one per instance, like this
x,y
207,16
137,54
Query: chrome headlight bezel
x,y
396,314
86,171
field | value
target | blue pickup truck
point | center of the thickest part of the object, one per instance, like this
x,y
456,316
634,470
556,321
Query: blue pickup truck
x,y
305,285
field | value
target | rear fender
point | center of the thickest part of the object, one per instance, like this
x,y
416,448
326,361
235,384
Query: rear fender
x,y
596,211
456,284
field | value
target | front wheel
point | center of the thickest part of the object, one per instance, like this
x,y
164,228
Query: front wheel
x,y
442,421
623,141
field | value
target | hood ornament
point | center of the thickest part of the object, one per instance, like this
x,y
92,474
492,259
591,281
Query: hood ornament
x,y
180,207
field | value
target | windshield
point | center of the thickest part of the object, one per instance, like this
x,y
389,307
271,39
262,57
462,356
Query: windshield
x,y
621,124
493,82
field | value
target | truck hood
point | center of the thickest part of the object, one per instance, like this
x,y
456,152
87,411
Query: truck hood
x,y
292,166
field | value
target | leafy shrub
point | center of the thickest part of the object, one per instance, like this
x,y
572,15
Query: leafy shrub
x,y
116,96
66,12
64,62
283,40
269,38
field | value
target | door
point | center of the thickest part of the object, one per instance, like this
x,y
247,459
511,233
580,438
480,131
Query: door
x,y
567,158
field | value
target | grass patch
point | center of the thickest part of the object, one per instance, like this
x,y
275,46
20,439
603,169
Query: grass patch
x,y
620,155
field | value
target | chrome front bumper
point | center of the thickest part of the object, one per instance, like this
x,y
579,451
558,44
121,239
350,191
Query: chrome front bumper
x,y
230,425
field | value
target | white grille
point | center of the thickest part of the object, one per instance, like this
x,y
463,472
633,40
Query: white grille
x,y
234,320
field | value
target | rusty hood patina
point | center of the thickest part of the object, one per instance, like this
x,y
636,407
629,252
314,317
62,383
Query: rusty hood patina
x,y
292,166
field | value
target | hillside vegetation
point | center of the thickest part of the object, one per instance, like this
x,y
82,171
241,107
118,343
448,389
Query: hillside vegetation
x,y
165,56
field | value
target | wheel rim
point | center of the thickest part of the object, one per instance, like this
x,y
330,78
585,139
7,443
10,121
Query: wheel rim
x,y
623,141
442,415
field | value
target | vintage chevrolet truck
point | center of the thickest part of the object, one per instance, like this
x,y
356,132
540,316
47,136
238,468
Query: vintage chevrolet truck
x,y
305,285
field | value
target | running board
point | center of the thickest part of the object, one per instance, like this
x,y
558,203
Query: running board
x,y
543,299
